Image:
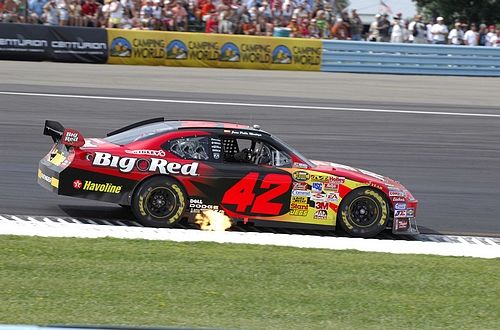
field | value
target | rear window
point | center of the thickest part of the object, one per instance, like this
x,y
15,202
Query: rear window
x,y
140,133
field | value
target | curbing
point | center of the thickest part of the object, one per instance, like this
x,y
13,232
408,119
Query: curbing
x,y
464,246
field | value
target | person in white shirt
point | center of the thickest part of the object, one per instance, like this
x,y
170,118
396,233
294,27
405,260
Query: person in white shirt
x,y
429,33
373,34
490,35
398,33
471,37
495,40
115,14
456,35
439,32
62,6
417,31
51,12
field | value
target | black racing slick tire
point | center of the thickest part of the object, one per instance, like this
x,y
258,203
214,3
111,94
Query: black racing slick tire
x,y
159,202
364,212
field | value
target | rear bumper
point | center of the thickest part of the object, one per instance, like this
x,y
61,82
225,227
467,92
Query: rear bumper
x,y
48,175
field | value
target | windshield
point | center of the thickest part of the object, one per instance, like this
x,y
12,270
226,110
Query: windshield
x,y
293,151
140,133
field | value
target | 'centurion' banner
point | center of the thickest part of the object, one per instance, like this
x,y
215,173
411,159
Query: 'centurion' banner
x,y
52,43
212,50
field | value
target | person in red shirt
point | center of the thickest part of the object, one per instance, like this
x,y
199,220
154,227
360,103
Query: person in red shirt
x,y
89,12
207,8
212,22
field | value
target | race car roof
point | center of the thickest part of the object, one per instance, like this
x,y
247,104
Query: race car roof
x,y
176,124
157,126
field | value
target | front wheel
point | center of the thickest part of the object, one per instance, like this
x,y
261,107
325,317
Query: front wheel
x,y
159,202
364,212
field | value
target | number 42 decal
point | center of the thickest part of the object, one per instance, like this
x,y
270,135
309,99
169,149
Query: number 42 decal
x,y
243,195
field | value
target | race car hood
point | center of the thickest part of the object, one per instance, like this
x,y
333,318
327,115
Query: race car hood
x,y
355,174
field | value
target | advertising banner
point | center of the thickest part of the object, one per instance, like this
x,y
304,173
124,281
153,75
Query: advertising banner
x,y
52,43
212,50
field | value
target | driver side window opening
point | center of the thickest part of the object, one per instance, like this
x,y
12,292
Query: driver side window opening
x,y
194,148
252,151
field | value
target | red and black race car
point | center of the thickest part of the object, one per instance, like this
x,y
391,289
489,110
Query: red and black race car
x,y
167,170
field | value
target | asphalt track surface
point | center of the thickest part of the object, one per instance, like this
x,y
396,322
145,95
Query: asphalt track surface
x,y
441,140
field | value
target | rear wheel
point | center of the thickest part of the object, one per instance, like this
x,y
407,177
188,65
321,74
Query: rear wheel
x,y
159,202
364,212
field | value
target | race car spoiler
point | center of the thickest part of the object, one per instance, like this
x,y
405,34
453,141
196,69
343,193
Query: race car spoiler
x,y
68,136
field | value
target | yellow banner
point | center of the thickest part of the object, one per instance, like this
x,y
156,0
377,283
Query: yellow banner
x,y
212,50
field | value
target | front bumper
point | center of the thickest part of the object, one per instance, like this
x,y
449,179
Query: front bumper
x,y
404,222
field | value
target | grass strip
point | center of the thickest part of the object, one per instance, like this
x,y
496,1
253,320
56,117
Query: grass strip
x,y
157,283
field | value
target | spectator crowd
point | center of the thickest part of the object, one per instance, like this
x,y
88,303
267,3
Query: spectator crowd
x,y
299,18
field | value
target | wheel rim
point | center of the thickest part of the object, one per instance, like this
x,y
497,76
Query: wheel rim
x,y
161,202
364,211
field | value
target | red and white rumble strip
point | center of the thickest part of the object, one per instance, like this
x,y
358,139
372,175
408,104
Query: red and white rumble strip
x,y
466,246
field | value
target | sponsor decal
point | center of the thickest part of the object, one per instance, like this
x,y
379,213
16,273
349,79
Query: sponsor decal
x,y
244,133
402,224
319,197
400,214
299,165
376,185
98,187
320,214
321,205
410,213
331,187
127,164
301,193
216,148
205,50
298,206
332,197
300,176
299,199
299,186
45,177
400,206
71,137
158,153
23,42
320,178
282,55
79,45
120,47
197,205
393,193
398,199
300,213
229,53
54,182
316,187
337,180
177,50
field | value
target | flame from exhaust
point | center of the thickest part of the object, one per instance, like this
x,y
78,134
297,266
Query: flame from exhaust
x,y
213,220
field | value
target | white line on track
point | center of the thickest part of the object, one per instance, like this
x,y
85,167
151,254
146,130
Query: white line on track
x,y
256,105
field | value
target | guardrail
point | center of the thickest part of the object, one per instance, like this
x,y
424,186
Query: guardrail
x,y
371,57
